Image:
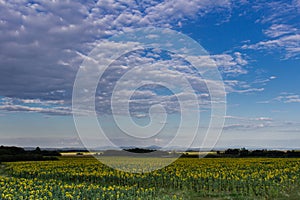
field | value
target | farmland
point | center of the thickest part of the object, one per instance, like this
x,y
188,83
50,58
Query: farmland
x,y
187,178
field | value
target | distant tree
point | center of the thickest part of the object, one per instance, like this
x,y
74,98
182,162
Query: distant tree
x,y
139,150
10,154
232,151
37,150
244,152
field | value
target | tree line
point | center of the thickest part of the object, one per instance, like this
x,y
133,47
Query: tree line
x,y
10,154
263,153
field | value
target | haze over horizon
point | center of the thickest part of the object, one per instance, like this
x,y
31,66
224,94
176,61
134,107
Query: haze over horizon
x,y
254,44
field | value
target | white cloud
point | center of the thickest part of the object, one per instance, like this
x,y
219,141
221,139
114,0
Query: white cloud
x,y
283,32
284,98
177,10
264,81
156,78
48,111
247,119
289,98
49,107
59,35
276,12
288,43
43,43
247,123
236,86
277,30
231,65
245,126
297,4
44,141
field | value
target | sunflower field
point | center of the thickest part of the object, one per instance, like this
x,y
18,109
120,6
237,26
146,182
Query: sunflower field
x,y
186,178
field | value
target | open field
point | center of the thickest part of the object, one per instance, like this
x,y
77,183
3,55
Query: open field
x,y
191,153
80,153
187,178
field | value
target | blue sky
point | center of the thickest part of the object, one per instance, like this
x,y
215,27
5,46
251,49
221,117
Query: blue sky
x,y
254,44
